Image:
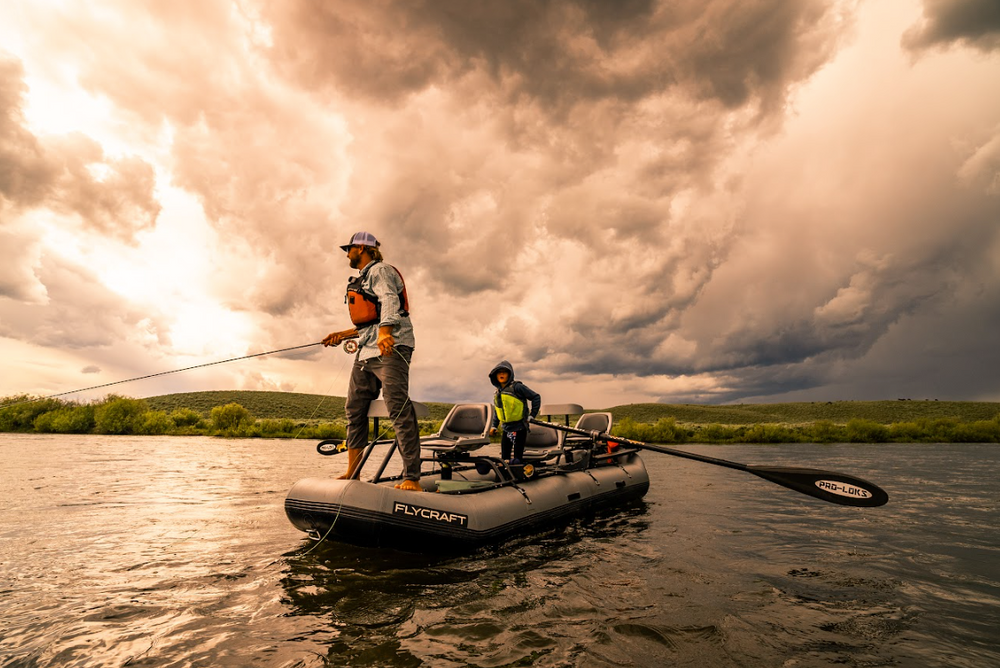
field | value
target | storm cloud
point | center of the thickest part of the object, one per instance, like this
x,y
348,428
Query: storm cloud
x,y
972,22
684,201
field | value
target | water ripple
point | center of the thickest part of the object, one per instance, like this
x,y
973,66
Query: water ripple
x,y
176,552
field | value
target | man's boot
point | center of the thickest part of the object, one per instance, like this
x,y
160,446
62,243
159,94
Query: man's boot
x,y
353,460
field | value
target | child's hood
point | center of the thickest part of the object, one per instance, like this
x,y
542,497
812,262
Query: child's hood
x,y
502,366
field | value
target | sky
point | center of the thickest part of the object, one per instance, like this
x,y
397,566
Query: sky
x,y
686,201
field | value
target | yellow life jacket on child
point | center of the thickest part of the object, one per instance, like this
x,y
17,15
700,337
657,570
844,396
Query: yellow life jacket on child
x,y
509,407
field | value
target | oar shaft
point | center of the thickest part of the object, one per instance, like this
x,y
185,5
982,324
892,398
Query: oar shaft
x,y
829,486
605,437
688,455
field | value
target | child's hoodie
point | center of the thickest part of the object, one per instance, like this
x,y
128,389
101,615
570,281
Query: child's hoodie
x,y
511,401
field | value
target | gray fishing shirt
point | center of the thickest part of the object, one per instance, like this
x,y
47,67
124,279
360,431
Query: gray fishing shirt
x,y
383,281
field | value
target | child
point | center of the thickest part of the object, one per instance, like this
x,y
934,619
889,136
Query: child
x,y
511,413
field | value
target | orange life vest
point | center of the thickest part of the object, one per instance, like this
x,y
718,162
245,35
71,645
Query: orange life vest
x,y
364,306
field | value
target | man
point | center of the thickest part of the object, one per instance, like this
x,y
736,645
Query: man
x,y
378,305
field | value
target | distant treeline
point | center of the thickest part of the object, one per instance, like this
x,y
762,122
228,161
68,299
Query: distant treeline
x,y
123,415
290,415
803,412
856,430
899,421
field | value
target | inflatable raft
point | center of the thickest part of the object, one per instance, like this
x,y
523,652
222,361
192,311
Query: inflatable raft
x,y
470,498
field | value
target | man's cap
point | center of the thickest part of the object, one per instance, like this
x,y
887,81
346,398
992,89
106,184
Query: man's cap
x,y
361,239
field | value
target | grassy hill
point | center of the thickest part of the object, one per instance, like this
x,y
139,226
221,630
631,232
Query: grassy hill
x,y
298,406
270,405
838,412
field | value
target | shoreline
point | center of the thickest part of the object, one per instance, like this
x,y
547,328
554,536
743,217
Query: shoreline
x,y
261,414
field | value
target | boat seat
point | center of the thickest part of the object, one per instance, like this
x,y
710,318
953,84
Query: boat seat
x,y
551,410
595,422
465,428
591,422
543,443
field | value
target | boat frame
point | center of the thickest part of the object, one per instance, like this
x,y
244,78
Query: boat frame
x,y
478,498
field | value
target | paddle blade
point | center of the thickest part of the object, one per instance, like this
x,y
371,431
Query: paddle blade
x,y
845,490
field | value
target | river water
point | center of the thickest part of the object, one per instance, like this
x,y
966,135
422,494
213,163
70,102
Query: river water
x,y
171,551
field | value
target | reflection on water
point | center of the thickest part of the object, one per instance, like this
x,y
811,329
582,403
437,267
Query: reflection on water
x,y
176,552
390,604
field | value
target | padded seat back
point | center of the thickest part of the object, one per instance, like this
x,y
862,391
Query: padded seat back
x,y
595,422
542,437
467,420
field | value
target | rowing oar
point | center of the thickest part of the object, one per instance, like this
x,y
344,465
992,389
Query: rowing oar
x,y
839,488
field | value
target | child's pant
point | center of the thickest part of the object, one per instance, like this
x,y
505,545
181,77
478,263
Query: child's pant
x,y
513,440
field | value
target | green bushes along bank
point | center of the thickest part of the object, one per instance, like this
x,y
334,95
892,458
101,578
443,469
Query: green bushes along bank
x,y
289,415
857,430
123,415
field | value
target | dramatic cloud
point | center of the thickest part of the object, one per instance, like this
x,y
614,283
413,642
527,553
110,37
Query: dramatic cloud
x,y
79,312
556,54
684,201
490,128
972,22
68,174
68,177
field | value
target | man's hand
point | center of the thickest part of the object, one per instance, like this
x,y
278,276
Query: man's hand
x,y
385,341
335,338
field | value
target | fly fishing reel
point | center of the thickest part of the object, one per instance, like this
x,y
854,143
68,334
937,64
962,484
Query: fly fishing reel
x,y
350,346
331,446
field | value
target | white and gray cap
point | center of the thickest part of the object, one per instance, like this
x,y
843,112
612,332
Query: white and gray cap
x,y
361,239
